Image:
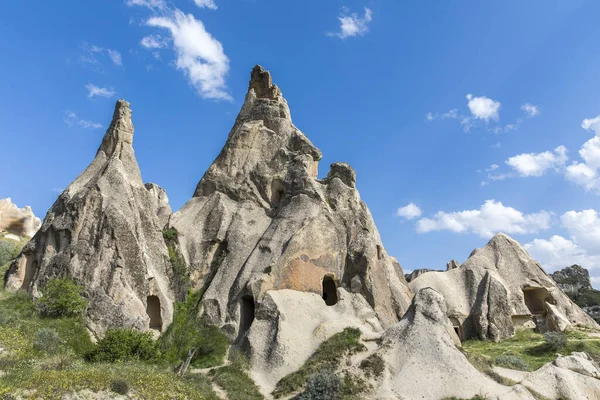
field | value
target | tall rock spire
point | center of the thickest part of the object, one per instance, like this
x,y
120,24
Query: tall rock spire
x,y
262,229
104,231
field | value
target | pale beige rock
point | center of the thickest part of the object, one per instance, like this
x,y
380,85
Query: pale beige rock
x,y
521,290
104,231
18,221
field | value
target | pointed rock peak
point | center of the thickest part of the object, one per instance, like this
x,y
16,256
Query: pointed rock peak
x,y
120,131
262,84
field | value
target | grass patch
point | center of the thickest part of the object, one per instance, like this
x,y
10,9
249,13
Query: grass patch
x,y
373,365
237,384
528,346
327,357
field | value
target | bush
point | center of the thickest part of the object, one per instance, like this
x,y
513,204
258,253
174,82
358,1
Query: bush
x,y
170,234
512,362
555,341
125,345
323,385
47,340
9,250
187,332
62,298
373,365
119,386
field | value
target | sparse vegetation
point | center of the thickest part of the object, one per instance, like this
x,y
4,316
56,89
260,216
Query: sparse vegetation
x,y
170,234
237,384
120,386
373,365
62,298
512,362
555,341
47,340
322,385
9,250
530,347
327,357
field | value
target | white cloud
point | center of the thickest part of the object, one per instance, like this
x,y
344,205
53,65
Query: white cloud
x,y
353,25
206,4
151,4
536,164
484,108
559,252
154,42
199,55
531,110
89,56
592,124
492,167
586,173
409,211
492,217
584,229
115,56
72,119
94,90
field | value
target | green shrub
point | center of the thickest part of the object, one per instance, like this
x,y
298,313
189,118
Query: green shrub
x,y
512,362
187,332
373,365
170,234
9,249
237,384
119,386
125,345
555,341
47,340
62,298
324,385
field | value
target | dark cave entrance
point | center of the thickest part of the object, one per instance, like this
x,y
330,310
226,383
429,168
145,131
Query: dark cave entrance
x,y
153,311
535,299
329,291
277,192
246,315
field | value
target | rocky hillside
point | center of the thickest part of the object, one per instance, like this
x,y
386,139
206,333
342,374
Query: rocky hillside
x,y
268,283
17,221
575,282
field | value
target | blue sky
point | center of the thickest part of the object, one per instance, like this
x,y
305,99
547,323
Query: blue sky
x,y
482,115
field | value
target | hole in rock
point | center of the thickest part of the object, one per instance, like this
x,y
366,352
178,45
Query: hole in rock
x,y
277,192
153,311
456,326
246,314
535,298
329,291
30,268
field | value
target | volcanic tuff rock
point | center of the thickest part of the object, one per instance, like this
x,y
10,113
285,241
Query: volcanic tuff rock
x,y
104,231
573,280
261,220
18,221
499,287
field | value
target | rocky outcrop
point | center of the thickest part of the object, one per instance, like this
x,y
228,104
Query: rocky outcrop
x,y
500,287
261,221
416,273
422,361
18,221
573,280
104,231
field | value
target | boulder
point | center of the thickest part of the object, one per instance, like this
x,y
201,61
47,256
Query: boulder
x,y
18,221
498,288
104,232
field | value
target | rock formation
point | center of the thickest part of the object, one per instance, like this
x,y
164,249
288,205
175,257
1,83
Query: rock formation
x,y
499,287
18,221
416,273
422,361
262,224
104,231
575,282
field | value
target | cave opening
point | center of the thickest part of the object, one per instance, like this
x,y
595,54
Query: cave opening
x,y
535,299
329,291
153,311
246,315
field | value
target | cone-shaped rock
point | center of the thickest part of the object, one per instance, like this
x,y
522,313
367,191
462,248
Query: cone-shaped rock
x,y
260,220
104,231
501,287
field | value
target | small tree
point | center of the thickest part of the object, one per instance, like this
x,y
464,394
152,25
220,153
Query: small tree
x,y
125,345
62,298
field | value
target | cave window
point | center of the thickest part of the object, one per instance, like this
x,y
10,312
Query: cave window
x,y
456,327
277,192
329,291
535,299
246,314
153,311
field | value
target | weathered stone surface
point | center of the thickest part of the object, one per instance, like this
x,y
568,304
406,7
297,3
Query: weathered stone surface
x,y
416,273
104,231
453,264
573,280
422,361
512,270
18,221
261,221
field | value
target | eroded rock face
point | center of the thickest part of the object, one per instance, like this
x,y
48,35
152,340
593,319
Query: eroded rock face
x,y
18,221
499,287
573,280
104,231
261,220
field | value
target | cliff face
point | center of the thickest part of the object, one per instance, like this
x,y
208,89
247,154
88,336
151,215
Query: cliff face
x,y
575,282
104,231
